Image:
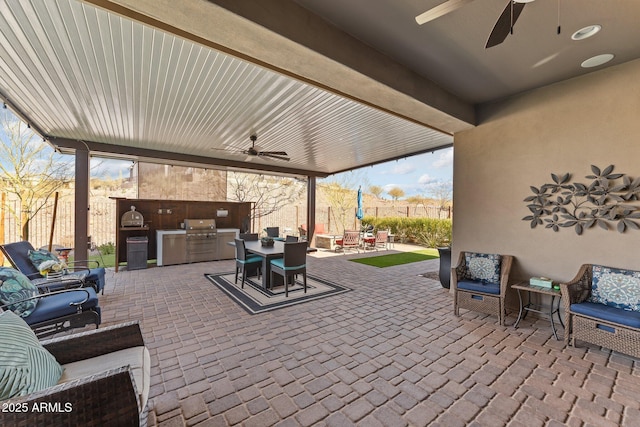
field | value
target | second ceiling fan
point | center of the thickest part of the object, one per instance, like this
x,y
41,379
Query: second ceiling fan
x,y
502,28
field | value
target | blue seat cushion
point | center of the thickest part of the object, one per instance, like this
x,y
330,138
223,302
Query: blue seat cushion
x,y
250,259
96,275
53,306
608,313
478,286
279,262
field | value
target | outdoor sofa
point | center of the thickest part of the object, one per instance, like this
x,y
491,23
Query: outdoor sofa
x,y
104,378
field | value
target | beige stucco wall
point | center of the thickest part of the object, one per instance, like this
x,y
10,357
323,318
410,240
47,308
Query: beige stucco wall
x,y
566,127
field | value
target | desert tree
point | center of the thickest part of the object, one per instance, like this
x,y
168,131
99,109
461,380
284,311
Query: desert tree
x,y
267,192
376,190
340,193
395,193
30,170
441,192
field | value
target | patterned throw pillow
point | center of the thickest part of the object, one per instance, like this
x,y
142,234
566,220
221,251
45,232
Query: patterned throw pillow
x,y
483,268
40,256
615,287
25,365
15,286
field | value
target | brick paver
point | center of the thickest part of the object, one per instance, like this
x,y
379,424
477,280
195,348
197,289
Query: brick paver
x,y
389,353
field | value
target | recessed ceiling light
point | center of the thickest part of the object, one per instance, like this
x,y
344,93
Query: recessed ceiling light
x,y
522,1
586,32
597,60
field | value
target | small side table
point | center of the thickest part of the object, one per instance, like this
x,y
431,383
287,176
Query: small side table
x,y
537,308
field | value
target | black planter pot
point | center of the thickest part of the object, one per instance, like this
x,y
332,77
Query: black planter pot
x,y
445,266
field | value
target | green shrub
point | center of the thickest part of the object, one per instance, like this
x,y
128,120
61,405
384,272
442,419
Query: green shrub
x,y
107,248
429,232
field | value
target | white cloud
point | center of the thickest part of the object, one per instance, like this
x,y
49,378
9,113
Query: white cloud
x,y
444,160
403,169
425,179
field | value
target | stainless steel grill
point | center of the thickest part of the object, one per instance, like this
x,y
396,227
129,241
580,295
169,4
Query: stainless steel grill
x,y
202,239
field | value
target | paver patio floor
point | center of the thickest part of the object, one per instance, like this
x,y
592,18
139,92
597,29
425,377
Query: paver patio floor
x,y
388,353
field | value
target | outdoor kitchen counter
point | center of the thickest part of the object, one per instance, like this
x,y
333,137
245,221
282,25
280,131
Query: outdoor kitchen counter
x,y
161,233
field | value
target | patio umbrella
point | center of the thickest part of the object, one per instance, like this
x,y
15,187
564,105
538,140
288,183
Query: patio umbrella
x,y
359,213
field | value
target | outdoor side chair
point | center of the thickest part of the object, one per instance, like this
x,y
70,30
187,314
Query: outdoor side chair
x,y
350,240
480,283
244,261
293,262
18,255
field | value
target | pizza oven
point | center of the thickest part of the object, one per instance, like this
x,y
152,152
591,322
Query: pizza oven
x,y
132,218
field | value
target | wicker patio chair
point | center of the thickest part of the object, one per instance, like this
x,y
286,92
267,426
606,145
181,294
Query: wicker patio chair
x,y
609,331
114,393
481,294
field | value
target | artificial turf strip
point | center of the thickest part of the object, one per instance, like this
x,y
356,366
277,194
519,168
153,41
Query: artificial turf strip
x,y
383,261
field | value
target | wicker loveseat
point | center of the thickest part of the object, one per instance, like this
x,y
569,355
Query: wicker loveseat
x,y
105,382
602,307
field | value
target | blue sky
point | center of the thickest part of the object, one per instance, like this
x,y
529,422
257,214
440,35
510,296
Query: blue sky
x,y
415,175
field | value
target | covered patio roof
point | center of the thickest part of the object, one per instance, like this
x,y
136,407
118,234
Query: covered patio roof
x,y
120,84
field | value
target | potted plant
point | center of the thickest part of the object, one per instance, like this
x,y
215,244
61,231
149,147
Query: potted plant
x,y
266,241
445,265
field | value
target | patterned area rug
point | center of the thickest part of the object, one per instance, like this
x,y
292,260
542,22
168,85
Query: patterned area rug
x,y
254,299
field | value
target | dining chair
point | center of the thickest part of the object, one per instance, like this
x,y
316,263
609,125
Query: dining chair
x,y
290,239
245,260
273,231
249,237
293,262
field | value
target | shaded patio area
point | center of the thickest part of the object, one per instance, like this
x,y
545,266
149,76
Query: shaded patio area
x,y
388,353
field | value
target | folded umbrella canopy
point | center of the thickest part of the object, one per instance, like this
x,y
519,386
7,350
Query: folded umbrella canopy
x,y
359,212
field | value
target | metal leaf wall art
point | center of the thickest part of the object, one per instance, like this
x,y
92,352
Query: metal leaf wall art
x,y
608,201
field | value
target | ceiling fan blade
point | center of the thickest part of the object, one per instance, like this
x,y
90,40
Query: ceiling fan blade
x,y
440,10
274,156
277,153
503,26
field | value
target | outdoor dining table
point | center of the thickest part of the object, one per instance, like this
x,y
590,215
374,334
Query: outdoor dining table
x,y
267,253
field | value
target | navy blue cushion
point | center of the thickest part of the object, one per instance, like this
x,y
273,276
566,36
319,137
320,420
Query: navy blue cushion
x,y
96,275
52,306
608,313
487,288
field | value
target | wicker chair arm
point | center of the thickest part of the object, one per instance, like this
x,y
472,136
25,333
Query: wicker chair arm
x,y
579,288
85,345
107,398
459,271
505,270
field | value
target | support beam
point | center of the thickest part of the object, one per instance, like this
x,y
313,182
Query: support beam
x,y
81,230
311,211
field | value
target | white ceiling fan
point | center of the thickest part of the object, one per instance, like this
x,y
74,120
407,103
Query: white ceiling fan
x,y
502,28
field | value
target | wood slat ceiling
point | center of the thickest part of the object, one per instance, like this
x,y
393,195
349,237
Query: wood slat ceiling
x,y
80,73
